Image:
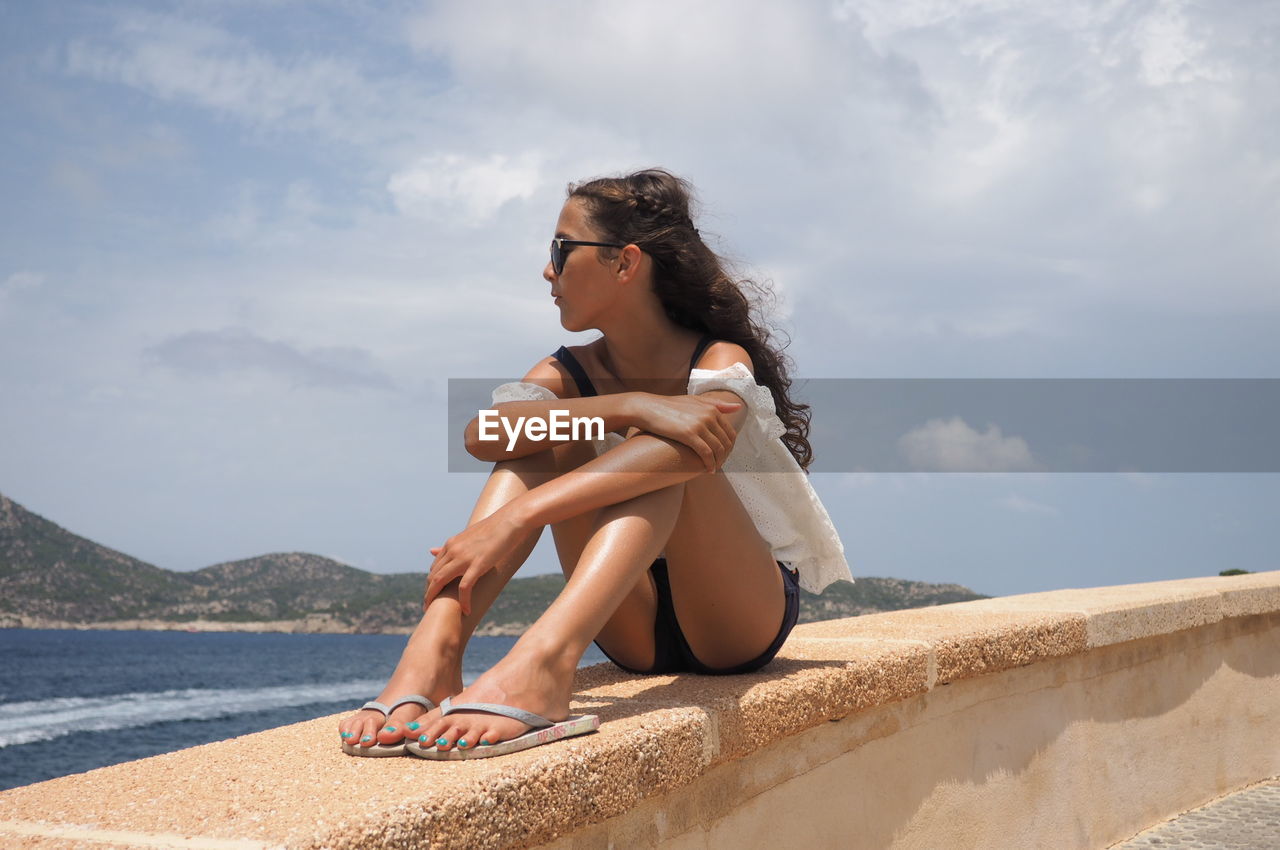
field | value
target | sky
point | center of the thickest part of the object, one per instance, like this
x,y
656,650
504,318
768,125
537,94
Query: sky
x,y
246,245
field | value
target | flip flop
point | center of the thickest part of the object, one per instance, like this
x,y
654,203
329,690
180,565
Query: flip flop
x,y
544,732
382,750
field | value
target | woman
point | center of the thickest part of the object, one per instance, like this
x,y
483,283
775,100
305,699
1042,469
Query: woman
x,y
670,565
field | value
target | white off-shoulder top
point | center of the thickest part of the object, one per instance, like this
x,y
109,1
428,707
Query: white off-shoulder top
x,y
772,487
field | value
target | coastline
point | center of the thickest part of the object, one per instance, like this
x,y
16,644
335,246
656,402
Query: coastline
x,y
316,624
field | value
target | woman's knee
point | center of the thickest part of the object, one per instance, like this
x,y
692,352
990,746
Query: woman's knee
x,y
555,461
657,508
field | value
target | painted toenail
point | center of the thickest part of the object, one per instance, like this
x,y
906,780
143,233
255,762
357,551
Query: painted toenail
x,y
485,744
442,742
389,729
462,742
367,738
422,739
414,725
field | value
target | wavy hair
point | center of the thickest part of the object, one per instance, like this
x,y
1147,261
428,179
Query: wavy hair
x,y
651,209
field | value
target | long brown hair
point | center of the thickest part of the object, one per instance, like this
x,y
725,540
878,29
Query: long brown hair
x,y
651,209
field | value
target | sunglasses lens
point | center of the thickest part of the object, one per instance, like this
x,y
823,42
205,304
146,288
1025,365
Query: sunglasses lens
x,y
557,257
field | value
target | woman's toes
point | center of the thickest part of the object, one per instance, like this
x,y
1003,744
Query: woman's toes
x,y
367,731
395,730
450,737
353,729
489,737
417,726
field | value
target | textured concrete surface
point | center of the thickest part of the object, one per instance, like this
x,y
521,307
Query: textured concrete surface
x,y
665,739
1073,753
1245,820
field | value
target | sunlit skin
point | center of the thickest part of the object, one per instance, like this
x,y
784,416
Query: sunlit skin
x,y
611,516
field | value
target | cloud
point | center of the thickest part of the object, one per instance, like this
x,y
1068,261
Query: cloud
x,y
700,61
449,186
1142,480
195,62
232,350
21,280
953,446
1023,505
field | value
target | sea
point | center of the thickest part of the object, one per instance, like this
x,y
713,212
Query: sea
x,y
72,701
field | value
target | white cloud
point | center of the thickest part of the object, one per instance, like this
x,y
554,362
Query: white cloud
x,y
683,59
447,186
17,282
233,350
21,280
952,445
180,59
1168,52
1023,505
1142,480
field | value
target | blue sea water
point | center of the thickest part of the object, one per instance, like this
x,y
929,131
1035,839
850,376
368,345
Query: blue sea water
x,y
71,701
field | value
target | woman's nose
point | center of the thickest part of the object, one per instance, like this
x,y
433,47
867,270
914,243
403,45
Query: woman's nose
x,y
549,273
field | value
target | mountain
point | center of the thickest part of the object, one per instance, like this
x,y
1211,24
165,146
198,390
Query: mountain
x,y
51,577
48,572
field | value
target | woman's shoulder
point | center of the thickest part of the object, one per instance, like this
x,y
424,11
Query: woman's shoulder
x,y
721,354
552,374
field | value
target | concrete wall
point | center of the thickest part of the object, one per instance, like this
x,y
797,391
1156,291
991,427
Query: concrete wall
x,y
1067,719
1076,752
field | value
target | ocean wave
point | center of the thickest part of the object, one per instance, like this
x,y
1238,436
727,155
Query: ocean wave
x,y
42,720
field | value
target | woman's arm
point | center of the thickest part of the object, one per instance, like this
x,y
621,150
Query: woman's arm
x,y
616,411
642,463
693,421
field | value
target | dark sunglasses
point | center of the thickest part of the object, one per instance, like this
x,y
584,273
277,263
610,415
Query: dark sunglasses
x,y
559,250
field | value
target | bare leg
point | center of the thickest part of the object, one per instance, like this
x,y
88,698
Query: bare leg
x,y
711,545
725,585
431,663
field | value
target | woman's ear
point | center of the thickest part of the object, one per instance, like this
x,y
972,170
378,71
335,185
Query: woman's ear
x,y
629,263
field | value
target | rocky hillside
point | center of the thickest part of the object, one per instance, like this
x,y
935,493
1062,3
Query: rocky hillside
x,y
46,571
49,575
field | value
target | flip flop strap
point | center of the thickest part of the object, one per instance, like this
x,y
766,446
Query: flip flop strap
x,y
528,717
377,706
413,698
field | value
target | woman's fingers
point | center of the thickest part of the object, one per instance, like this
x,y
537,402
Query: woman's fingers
x,y
710,449
465,584
722,436
441,574
705,452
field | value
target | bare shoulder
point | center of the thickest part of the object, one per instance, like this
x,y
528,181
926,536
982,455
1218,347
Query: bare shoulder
x,y
550,373
721,355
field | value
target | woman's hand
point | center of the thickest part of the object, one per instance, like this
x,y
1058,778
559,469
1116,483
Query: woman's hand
x,y
469,554
697,422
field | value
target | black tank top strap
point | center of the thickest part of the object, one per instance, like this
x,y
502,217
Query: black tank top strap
x,y
706,340
566,358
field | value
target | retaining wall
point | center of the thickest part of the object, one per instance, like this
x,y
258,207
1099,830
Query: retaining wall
x,y
1069,719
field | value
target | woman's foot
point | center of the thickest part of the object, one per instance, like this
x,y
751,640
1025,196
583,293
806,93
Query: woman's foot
x,y
369,726
527,678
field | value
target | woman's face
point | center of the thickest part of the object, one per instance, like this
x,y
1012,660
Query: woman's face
x,y
585,286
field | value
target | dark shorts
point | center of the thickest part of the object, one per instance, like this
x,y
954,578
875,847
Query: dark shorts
x,y
671,651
